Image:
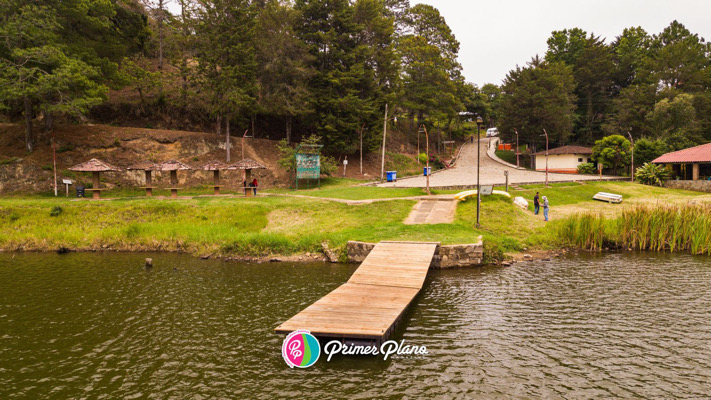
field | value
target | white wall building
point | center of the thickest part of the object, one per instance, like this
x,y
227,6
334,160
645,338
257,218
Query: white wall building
x,y
563,159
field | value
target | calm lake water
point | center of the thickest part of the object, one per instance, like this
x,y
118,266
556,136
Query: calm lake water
x,y
101,326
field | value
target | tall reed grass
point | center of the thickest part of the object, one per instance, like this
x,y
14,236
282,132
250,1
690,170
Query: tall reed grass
x,y
585,231
656,228
662,228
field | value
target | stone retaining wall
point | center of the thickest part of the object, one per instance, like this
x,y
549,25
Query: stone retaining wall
x,y
699,186
448,256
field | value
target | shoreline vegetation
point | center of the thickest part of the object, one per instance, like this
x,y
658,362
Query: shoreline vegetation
x,y
277,225
672,228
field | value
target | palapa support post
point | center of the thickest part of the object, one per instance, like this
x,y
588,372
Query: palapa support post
x,y
216,178
247,165
95,167
173,166
247,181
174,183
147,167
96,193
216,167
149,182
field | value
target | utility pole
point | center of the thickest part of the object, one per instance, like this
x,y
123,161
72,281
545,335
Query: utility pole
x,y
632,150
54,157
517,152
546,134
361,149
385,132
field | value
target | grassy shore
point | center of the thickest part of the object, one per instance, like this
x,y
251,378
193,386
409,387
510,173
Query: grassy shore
x,y
283,225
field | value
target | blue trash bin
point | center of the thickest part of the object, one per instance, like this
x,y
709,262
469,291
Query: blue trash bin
x,y
391,176
427,171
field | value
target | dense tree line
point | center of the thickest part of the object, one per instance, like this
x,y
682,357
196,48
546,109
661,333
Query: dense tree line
x,y
656,87
329,65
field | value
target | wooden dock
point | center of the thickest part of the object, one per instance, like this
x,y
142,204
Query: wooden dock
x,y
367,307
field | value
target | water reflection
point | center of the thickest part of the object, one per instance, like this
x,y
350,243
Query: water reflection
x,y
102,326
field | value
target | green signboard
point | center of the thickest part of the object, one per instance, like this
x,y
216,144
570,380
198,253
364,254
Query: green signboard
x,y
308,166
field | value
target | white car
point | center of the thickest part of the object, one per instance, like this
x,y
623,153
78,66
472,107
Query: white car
x,y
492,132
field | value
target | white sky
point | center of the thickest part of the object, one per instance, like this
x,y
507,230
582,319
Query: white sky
x,y
496,35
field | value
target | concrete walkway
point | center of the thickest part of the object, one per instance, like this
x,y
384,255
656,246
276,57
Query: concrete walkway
x,y
463,175
432,211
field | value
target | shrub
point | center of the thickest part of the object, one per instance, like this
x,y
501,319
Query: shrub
x,y
587,169
652,174
8,161
56,210
65,148
493,253
435,162
329,166
422,157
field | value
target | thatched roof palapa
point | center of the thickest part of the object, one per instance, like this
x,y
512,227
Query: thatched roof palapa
x,y
143,166
94,165
248,163
173,165
216,166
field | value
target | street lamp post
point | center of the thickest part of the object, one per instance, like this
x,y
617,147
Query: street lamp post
x,y
544,131
632,148
517,152
427,146
385,131
478,167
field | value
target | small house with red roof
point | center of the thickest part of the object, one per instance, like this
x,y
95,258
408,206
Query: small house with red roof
x,y
692,164
563,159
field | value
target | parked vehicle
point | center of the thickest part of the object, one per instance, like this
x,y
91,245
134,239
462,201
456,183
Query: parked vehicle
x,y
491,132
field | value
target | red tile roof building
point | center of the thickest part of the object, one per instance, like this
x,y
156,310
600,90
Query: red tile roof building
x,y
689,164
698,154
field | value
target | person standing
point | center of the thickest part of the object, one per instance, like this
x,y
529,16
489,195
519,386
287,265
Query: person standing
x,y
545,208
536,204
254,185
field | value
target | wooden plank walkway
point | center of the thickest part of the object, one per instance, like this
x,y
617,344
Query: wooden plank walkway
x,y
368,306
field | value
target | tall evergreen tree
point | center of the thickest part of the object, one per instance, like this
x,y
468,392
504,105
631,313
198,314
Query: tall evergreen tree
x,y
284,64
226,58
330,32
39,69
539,96
432,80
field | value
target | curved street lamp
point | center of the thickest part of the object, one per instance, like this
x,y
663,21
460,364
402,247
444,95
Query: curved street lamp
x,y
478,167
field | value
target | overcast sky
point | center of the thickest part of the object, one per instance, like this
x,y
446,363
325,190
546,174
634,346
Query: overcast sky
x,y
496,35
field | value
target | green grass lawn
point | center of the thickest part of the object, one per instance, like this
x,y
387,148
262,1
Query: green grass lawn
x,y
268,225
566,193
506,155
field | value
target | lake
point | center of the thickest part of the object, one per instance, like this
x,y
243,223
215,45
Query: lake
x,y
102,326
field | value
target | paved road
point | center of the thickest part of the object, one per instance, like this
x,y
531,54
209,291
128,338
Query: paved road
x,y
492,173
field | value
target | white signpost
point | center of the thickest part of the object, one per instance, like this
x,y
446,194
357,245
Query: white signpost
x,y
66,183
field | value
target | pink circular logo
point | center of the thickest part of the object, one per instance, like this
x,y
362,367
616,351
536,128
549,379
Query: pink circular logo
x,y
300,349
